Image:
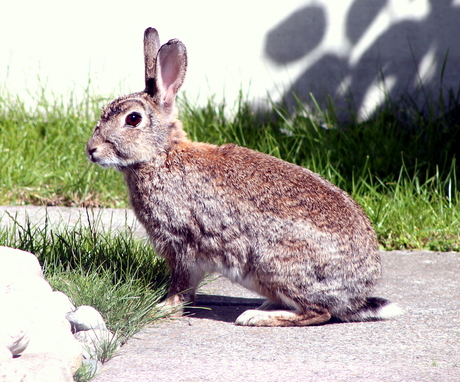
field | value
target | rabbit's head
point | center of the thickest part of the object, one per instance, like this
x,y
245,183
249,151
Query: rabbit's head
x,y
142,126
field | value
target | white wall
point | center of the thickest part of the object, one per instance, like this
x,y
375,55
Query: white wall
x,y
264,48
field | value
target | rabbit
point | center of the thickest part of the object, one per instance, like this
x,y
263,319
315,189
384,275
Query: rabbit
x,y
277,229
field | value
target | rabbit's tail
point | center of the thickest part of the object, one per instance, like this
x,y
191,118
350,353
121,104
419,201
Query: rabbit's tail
x,y
375,308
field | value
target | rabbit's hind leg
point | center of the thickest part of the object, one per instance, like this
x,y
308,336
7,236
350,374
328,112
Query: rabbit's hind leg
x,y
311,316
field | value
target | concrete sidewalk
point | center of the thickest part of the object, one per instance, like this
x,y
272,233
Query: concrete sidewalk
x,y
100,218
421,345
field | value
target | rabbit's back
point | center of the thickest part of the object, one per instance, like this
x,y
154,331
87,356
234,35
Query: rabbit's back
x,y
258,220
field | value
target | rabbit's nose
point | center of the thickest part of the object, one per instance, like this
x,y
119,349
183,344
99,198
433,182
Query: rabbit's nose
x,y
91,151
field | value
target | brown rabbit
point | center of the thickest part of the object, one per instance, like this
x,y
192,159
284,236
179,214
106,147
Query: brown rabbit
x,y
276,228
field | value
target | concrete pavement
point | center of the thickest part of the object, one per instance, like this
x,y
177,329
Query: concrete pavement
x,y
421,345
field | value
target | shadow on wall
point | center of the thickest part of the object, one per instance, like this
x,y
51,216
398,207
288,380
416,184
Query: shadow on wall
x,y
408,54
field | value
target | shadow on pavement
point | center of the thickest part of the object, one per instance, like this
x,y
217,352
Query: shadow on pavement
x,y
221,308
227,309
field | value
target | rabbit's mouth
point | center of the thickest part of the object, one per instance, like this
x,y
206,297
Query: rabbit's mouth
x,y
118,165
95,157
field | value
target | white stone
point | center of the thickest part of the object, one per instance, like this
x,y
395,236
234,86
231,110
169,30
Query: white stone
x,y
52,335
35,368
21,301
5,354
13,337
18,262
61,303
33,323
23,285
96,341
84,318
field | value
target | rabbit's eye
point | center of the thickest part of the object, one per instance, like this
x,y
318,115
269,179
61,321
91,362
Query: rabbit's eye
x,y
133,119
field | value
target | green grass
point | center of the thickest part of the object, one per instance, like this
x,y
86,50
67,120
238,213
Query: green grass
x,y
401,164
43,156
114,272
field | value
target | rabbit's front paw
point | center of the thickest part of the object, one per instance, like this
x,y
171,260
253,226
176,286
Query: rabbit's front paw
x,y
172,306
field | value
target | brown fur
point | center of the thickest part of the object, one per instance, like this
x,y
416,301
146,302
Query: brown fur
x,y
276,228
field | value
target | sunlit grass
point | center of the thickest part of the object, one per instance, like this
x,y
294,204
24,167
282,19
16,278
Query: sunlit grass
x,y
43,158
400,164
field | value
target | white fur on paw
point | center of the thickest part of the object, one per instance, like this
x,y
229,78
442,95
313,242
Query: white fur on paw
x,y
254,317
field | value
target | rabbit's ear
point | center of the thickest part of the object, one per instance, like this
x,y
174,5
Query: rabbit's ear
x,y
171,66
151,47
